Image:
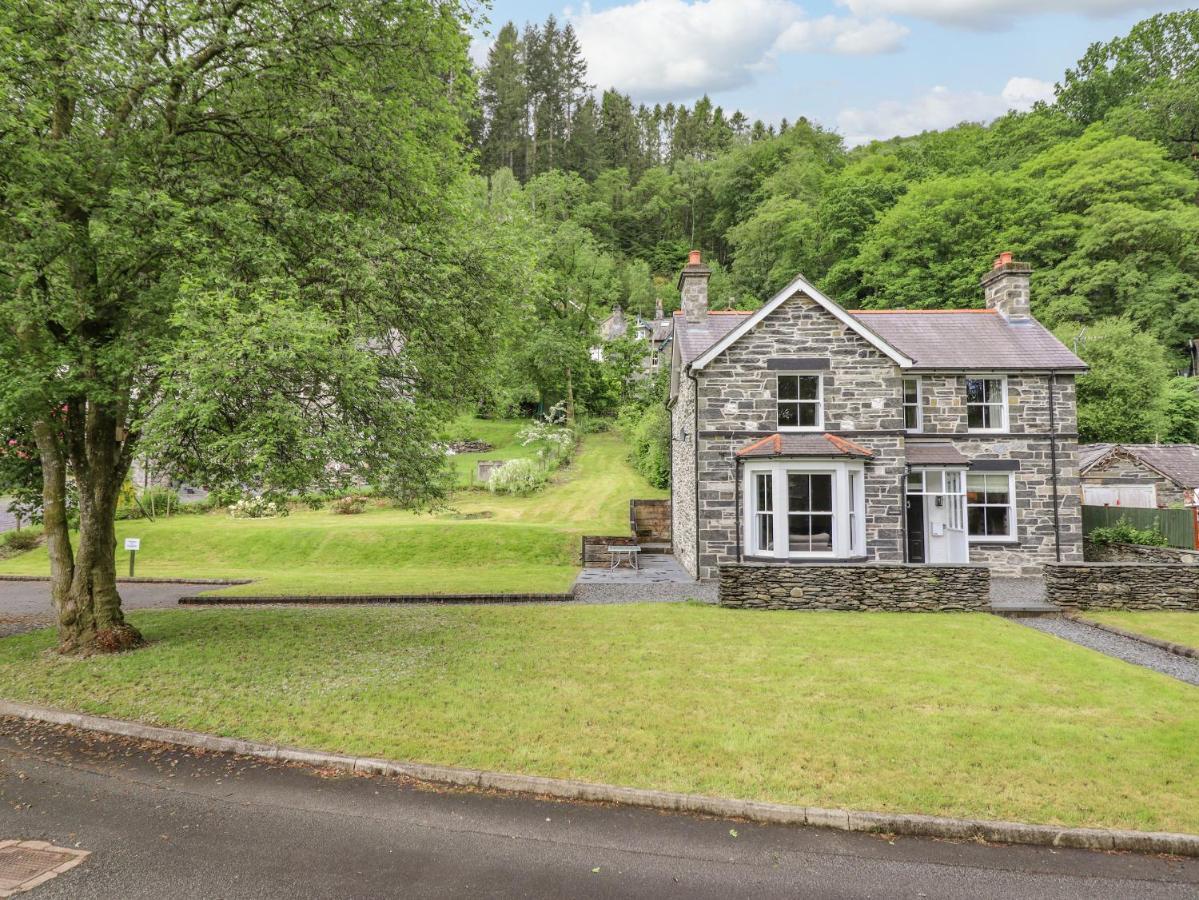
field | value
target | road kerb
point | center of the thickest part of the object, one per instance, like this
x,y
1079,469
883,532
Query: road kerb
x,y
909,824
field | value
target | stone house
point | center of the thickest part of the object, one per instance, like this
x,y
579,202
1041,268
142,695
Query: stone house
x,y
1139,475
805,432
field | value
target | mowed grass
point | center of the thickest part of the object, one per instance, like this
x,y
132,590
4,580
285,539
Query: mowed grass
x,y
500,433
947,714
483,544
1177,627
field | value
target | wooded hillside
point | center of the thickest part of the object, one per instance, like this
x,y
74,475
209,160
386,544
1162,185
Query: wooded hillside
x,y
1098,191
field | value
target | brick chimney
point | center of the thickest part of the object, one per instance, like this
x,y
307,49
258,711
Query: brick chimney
x,y
1005,287
693,285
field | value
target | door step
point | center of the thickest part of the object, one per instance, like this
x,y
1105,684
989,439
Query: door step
x,y
1025,610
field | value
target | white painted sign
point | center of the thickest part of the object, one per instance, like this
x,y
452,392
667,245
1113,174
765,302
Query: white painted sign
x,y
133,543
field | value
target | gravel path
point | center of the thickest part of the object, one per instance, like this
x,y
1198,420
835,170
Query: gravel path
x,y
644,593
1127,649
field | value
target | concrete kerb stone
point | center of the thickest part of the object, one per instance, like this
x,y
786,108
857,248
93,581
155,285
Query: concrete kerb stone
x,y
1176,649
908,824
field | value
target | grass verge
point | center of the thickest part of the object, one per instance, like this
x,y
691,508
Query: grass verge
x,y
958,715
1176,627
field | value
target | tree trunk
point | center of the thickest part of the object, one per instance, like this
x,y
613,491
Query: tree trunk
x,y
83,581
570,397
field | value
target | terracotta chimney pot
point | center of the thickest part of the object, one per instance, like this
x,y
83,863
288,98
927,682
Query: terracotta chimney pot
x,y
1002,259
693,259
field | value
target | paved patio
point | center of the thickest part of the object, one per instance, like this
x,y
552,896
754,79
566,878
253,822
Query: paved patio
x,y
659,579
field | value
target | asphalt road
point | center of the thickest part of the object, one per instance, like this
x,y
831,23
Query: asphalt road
x,y
26,604
166,823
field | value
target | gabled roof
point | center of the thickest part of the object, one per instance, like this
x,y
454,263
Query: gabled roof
x,y
977,339
799,284
802,444
1177,462
694,338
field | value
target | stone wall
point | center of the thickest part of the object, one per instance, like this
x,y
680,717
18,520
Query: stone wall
x,y
1099,585
1116,552
595,553
649,520
863,587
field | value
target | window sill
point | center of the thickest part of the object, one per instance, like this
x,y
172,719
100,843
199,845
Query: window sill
x,y
800,428
996,541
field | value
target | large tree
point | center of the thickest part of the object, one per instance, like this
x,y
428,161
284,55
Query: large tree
x,y
233,235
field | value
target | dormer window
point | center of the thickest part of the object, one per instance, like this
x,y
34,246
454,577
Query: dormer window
x,y
800,403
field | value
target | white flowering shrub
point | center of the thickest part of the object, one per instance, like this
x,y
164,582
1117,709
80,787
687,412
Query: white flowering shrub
x,y
517,476
555,439
256,508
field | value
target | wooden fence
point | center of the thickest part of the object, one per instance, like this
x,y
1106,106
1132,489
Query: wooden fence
x,y
1178,525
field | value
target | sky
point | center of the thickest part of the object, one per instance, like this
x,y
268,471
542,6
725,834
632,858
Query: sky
x,y
864,68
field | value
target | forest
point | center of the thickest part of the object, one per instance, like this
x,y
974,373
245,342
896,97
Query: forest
x,y
1097,190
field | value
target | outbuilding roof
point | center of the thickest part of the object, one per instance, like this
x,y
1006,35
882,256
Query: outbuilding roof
x,y
1177,462
977,339
802,444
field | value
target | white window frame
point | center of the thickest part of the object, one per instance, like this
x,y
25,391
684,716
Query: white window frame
x,y
778,401
846,543
919,426
1003,390
1012,536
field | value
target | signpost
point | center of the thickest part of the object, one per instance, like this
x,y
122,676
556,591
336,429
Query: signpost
x,y
132,545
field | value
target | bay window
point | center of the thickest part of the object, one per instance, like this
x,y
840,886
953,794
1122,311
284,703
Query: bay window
x,y
796,509
990,506
800,400
986,403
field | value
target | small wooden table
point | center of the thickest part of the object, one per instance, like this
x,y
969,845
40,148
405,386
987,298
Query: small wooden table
x,y
624,553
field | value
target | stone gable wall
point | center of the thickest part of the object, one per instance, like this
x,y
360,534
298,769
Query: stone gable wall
x,y
864,587
1122,585
737,400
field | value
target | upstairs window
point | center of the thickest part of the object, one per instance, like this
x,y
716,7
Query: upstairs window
x,y
986,404
800,402
913,415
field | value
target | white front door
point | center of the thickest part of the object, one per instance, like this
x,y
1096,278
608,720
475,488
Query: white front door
x,y
944,514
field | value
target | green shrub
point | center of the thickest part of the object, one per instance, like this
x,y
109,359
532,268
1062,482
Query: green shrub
x,y
647,430
257,508
1124,532
348,506
517,476
20,541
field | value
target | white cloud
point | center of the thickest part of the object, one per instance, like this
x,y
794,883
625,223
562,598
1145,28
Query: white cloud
x,y
938,108
840,35
675,49
987,13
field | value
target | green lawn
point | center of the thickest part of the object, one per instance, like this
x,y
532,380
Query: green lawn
x,y
963,715
500,433
485,543
1177,627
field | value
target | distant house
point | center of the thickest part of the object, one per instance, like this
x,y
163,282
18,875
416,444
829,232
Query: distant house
x,y
1139,475
656,332
806,432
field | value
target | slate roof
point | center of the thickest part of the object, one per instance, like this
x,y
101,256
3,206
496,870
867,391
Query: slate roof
x,y
934,453
969,339
695,337
1178,462
802,444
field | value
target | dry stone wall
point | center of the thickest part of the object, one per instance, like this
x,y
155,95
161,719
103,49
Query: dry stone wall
x,y
863,587
1122,585
1116,552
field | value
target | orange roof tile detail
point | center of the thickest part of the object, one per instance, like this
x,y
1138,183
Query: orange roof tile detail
x,y
935,312
847,446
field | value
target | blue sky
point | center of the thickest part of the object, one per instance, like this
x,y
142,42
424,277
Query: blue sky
x,y
866,68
